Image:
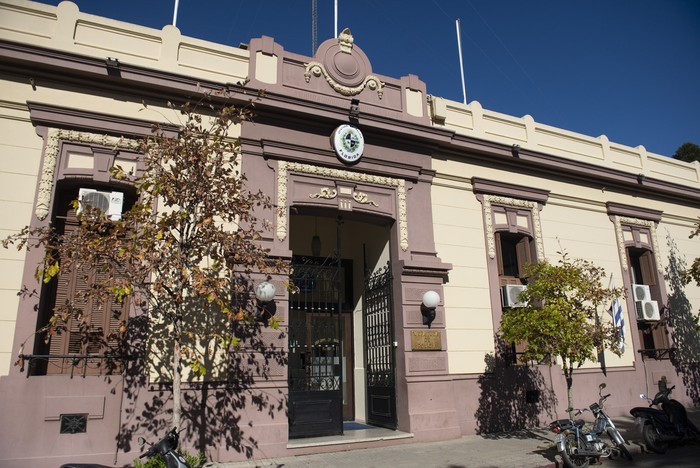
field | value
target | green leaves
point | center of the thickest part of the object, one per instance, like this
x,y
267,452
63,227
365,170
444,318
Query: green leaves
x,y
559,318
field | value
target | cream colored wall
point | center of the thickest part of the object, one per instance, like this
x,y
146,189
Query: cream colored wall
x,y
574,219
20,152
473,120
66,28
459,237
21,149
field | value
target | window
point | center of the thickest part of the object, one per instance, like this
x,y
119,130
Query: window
x,y
653,335
97,334
635,229
513,253
512,222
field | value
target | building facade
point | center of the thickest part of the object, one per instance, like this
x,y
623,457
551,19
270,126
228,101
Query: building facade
x,y
383,193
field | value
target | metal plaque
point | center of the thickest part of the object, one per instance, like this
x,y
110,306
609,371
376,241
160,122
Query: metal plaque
x,y
426,340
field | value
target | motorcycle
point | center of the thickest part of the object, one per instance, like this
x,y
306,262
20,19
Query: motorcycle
x,y
165,447
579,445
662,427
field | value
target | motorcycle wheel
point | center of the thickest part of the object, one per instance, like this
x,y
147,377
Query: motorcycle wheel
x,y
652,439
572,461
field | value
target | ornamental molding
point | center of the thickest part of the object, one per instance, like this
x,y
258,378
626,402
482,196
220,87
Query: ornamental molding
x,y
53,144
490,200
326,192
651,225
372,82
285,167
363,199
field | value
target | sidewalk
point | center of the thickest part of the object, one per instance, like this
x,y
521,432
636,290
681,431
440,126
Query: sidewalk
x,y
523,449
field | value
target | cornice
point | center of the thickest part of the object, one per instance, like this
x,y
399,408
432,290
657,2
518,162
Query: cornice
x,y
140,81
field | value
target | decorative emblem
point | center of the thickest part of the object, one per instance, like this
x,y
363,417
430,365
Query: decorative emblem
x,y
348,143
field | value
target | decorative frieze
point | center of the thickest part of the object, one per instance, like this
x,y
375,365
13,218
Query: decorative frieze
x,y
489,200
317,69
285,167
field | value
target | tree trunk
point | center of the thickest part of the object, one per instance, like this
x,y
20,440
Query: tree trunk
x,y
569,383
177,378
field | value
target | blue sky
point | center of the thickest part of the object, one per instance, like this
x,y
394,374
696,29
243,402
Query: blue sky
x,y
629,69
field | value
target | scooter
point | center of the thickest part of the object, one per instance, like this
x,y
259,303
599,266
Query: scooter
x,y
165,447
579,446
662,427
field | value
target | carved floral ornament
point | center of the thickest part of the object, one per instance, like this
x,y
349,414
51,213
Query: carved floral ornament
x,y
317,69
619,221
518,203
53,143
330,193
284,168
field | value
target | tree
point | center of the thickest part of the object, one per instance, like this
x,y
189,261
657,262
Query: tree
x,y
560,318
692,273
187,249
687,152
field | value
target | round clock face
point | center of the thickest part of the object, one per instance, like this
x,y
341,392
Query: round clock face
x,y
348,143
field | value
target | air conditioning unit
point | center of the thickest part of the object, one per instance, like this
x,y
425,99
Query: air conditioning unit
x,y
640,292
647,310
510,295
110,203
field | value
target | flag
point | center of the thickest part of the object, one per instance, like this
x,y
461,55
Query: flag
x,y
601,348
619,321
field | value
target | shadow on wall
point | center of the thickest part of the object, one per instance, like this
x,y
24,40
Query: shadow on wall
x,y
212,408
684,332
512,396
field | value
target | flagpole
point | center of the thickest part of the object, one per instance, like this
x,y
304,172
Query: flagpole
x,y
335,16
461,65
177,3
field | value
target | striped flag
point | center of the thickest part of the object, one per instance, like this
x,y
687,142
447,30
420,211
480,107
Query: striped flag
x,y
619,321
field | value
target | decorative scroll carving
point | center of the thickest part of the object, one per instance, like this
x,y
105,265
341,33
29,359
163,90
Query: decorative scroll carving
x,y
363,198
48,170
285,167
372,82
326,192
621,240
516,202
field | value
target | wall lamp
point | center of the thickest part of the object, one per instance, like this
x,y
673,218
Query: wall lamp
x,y
265,294
354,109
431,299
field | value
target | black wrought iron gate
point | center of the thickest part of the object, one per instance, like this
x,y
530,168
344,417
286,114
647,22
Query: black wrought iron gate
x,y
377,308
315,348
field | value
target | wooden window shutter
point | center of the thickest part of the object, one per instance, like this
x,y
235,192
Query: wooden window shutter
x,y
646,264
98,329
522,250
499,253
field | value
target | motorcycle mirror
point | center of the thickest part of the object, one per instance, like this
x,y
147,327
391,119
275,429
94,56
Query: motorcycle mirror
x,y
602,386
141,441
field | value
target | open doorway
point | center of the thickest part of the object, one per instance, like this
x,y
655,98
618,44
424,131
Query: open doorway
x,y
332,258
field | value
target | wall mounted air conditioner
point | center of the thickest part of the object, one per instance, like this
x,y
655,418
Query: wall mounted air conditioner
x,y
647,310
640,292
110,203
510,295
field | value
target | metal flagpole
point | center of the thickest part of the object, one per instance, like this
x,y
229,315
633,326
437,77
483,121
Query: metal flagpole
x,y
461,65
177,3
336,18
